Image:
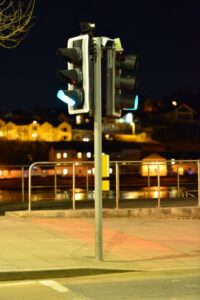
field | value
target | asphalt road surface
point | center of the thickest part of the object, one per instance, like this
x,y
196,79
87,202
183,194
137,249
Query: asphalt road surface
x,y
153,285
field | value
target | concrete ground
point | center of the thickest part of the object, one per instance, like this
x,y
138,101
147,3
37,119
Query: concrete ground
x,y
42,245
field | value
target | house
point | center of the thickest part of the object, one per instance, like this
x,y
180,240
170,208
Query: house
x,y
35,131
183,113
154,165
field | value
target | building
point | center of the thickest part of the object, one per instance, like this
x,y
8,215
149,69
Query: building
x,y
34,131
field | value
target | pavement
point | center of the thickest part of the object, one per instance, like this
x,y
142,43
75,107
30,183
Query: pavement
x,y
53,244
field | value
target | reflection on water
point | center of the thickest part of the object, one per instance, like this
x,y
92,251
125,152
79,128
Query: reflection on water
x,y
152,192
10,196
80,194
162,192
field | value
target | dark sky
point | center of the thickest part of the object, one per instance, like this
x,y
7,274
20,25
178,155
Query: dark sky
x,y
165,34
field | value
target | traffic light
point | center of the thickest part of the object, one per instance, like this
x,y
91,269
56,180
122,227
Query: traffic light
x,y
121,82
76,75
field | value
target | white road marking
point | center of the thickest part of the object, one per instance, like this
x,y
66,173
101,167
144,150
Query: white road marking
x,y
55,286
16,283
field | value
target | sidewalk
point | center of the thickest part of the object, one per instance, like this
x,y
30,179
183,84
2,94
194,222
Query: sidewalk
x,y
41,247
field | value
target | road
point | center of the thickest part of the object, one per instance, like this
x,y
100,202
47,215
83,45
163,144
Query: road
x,y
155,285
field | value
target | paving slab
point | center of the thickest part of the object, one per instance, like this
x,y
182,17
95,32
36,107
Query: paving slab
x,y
41,246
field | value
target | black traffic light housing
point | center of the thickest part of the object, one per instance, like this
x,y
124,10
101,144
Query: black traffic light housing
x,y
76,75
121,82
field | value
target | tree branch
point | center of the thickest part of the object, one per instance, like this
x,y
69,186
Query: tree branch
x,y
15,22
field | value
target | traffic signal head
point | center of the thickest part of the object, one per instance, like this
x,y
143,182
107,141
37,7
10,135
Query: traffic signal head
x,y
76,75
121,82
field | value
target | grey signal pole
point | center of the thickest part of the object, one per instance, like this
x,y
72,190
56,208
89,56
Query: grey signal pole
x,y
98,152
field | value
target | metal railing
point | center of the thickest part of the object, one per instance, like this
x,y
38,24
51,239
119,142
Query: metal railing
x,y
182,175
130,180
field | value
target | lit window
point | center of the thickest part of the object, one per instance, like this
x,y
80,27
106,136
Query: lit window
x,y
89,154
79,154
65,171
86,139
58,155
180,170
173,161
65,155
107,136
34,135
78,119
1,173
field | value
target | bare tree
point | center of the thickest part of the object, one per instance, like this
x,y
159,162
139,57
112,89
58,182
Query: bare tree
x,y
15,22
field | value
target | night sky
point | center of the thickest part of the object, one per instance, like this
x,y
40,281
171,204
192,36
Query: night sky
x,y
164,34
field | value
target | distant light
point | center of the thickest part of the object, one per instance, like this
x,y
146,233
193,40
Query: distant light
x,y
107,136
79,154
65,155
136,102
129,118
58,155
63,97
173,161
34,135
89,154
65,171
86,139
78,119
174,103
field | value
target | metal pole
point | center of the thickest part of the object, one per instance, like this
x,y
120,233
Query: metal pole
x,y
97,153
29,186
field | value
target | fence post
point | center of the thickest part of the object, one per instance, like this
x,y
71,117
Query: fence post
x,y
178,182
149,184
73,186
117,188
198,165
23,188
158,173
87,182
55,181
